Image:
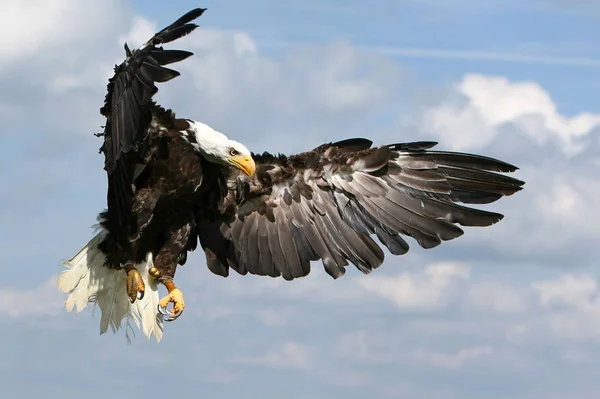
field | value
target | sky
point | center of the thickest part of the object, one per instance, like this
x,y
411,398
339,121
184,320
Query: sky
x,y
508,311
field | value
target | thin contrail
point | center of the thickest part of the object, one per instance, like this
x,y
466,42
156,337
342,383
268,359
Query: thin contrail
x,y
484,56
472,55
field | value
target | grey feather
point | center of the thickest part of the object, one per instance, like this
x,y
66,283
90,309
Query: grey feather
x,y
328,204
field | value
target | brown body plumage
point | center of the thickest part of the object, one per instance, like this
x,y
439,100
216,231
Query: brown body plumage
x,y
163,200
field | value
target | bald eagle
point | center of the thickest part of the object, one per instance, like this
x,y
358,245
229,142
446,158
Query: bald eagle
x,y
174,183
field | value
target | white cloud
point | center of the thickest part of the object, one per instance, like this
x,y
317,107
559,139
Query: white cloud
x,y
489,103
289,355
276,316
272,317
140,31
55,66
576,291
496,297
92,73
218,313
454,360
282,104
432,289
579,356
478,55
317,287
349,379
43,300
572,304
569,204
562,202
554,220
54,25
366,347
335,77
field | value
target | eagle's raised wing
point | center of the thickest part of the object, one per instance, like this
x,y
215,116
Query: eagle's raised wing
x,y
128,109
326,204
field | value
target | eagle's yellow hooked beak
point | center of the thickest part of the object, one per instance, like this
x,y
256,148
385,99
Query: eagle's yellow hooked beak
x,y
245,163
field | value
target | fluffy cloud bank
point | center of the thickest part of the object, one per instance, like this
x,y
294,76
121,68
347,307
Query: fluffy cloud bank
x,y
431,290
487,104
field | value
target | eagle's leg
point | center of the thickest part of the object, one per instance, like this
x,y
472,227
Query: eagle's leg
x,y
121,260
143,207
135,284
164,268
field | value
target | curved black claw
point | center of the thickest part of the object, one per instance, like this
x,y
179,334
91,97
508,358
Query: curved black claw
x,y
162,310
168,315
140,295
174,316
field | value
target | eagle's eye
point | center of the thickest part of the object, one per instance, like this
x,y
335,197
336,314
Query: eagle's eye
x,y
233,152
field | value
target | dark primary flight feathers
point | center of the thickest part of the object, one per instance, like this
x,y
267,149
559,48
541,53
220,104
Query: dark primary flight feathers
x,y
128,110
327,203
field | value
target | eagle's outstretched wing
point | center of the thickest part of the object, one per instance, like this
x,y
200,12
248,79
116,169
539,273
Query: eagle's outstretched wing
x,y
128,110
325,204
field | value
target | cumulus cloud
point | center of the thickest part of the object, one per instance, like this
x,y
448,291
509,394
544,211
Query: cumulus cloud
x,y
572,305
486,104
554,219
579,356
42,300
572,290
276,317
366,347
496,297
431,289
569,203
42,27
289,355
284,104
454,360
523,310
272,317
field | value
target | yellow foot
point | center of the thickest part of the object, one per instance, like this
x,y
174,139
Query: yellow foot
x,y
135,284
175,296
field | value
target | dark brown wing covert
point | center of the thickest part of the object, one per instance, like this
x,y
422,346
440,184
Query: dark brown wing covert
x,y
327,204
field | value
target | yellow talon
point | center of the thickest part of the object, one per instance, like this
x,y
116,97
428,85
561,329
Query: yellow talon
x,y
135,284
175,296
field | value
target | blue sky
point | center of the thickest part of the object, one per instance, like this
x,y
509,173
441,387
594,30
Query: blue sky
x,y
508,311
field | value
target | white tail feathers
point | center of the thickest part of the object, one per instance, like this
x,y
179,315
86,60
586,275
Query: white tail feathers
x,y
87,280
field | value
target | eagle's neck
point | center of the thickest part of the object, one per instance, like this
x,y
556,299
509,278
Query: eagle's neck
x,y
206,141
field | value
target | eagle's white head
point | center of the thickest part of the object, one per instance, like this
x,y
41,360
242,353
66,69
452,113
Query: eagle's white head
x,y
217,148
